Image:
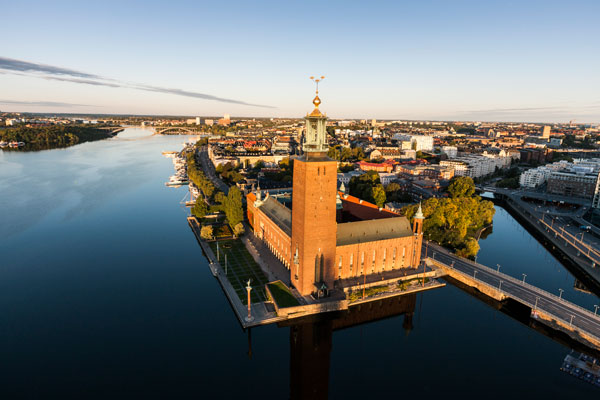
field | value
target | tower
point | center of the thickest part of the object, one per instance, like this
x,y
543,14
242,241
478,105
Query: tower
x,y
418,236
314,208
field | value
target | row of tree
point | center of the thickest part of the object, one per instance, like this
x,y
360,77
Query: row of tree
x,y
198,178
346,154
53,136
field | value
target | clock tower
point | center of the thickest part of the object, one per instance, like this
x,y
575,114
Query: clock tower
x,y
314,209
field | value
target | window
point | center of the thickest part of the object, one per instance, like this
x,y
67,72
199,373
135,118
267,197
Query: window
x,y
351,261
340,268
362,263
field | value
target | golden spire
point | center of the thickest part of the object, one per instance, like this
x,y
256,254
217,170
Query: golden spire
x,y
316,100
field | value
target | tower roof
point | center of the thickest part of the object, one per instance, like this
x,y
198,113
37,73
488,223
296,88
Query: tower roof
x,y
419,213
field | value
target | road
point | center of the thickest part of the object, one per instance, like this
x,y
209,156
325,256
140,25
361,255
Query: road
x,y
210,172
519,290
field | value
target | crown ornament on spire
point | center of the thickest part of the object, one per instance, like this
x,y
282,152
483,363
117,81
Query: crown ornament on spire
x,y
316,100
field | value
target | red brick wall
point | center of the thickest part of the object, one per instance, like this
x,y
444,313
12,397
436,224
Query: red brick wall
x,y
404,257
313,221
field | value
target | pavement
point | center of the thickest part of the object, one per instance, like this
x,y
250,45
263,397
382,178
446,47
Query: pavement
x,y
569,313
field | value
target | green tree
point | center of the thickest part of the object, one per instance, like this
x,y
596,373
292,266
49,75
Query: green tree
x,y
233,208
206,232
470,249
378,195
461,186
238,230
199,209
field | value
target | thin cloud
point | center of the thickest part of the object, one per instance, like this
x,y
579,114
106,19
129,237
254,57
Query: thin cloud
x,y
49,72
45,103
25,66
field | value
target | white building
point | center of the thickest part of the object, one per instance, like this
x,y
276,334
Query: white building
x,y
450,151
534,177
387,177
345,177
475,165
417,142
560,169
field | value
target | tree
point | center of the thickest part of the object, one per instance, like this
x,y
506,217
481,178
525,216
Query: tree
x,y
469,250
238,230
461,186
233,207
378,195
206,232
392,187
362,186
199,209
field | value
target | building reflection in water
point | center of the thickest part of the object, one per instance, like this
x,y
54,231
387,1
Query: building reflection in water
x,y
311,341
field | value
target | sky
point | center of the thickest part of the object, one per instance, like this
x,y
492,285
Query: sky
x,y
535,61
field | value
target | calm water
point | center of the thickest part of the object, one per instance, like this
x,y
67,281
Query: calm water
x,y
104,293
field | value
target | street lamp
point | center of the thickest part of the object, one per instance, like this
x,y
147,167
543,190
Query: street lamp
x,y
524,276
536,302
571,322
474,273
249,288
500,286
596,308
498,270
560,295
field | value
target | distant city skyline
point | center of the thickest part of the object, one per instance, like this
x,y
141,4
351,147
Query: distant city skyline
x,y
467,60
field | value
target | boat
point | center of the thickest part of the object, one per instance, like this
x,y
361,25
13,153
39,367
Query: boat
x,y
583,367
177,181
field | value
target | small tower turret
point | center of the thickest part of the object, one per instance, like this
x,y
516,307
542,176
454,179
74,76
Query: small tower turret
x,y
418,221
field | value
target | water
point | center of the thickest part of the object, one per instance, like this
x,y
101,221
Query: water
x,y
104,293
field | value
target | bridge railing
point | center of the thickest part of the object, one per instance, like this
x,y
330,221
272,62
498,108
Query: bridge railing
x,y
531,305
516,281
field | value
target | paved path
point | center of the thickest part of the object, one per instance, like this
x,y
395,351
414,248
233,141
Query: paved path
x,y
569,313
209,170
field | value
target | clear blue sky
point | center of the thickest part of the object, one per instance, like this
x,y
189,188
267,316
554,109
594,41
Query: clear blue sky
x,y
459,60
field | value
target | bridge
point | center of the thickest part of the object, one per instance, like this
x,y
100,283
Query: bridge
x,y
172,130
113,130
580,324
536,195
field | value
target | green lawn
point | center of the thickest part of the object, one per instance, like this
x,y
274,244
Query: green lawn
x,y
241,267
282,295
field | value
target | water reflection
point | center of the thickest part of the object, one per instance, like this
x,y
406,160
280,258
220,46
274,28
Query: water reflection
x,y
311,342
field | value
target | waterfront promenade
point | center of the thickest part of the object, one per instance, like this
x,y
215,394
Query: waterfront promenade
x,y
581,324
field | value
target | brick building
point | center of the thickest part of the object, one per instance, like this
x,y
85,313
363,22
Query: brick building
x,y
328,236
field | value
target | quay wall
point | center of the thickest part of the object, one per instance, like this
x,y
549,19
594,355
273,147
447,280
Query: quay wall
x,y
563,326
482,287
